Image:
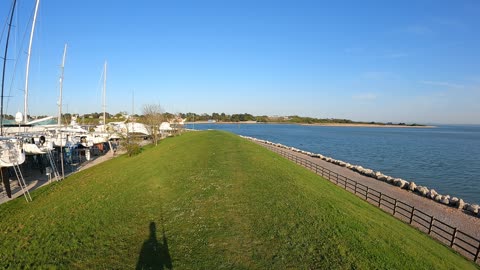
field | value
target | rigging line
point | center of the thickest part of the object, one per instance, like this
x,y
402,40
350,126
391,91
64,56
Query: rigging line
x,y
25,106
17,59
15,47
5,25
4,67
100,84
38,55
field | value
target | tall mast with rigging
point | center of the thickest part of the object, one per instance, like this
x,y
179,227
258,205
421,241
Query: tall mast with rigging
x,y
4,66
25,116
104,95
61,87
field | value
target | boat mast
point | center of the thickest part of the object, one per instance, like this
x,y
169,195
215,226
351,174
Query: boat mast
x,y
4,66
61,87
60,110
104,90
133,102
25,105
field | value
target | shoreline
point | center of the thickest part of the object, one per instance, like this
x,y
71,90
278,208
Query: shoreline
x,y
315,124
365,125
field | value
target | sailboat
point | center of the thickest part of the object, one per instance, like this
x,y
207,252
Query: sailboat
x,y
11,150
101,133
113,130
30,147
105,131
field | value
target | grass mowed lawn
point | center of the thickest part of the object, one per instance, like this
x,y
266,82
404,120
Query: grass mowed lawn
x,y
208,200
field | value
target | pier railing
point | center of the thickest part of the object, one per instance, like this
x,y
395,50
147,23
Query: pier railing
x,y
448,235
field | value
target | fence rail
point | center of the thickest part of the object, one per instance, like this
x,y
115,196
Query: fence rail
x,y
462,242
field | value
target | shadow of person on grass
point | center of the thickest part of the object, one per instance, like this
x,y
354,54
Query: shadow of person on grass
x,y
154,255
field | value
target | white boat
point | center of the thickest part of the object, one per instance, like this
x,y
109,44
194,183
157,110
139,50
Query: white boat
x,y
137,129
74,134
11,149
35,144
126,129
11,152
165,127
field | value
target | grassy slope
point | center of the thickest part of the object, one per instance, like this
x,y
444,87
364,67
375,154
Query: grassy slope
x,y
217,202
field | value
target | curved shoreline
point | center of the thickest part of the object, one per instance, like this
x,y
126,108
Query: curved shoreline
x,y
364,125
453,210
305,124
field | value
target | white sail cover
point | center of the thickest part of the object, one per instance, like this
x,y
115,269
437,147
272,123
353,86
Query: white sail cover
x,y
11,152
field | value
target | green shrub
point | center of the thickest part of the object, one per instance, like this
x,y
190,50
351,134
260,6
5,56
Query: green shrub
x,y
132,148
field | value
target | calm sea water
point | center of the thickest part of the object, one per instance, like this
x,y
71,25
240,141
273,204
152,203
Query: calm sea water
x,y
446,158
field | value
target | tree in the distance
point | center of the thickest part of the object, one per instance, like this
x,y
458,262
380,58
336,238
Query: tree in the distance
x,y
153,118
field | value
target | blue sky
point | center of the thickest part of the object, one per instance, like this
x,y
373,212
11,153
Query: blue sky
x,y
402,61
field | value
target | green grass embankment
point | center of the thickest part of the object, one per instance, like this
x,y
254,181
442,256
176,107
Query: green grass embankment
x,y
208,200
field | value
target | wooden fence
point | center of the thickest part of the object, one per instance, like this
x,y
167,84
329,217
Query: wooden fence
x,y
463,243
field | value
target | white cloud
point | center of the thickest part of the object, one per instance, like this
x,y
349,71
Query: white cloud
x,y
365,97
396,55
418,30
444,84
376,75
474,78
353,50
454,24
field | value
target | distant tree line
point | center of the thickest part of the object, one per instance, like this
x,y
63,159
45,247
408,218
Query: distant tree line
x,y
222,117
95,118
218,117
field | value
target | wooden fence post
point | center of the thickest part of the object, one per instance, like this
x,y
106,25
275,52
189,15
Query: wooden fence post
x,y
380,199
355,188
411,214
453,237
366,194
478,252
345,181
395,207
431,224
